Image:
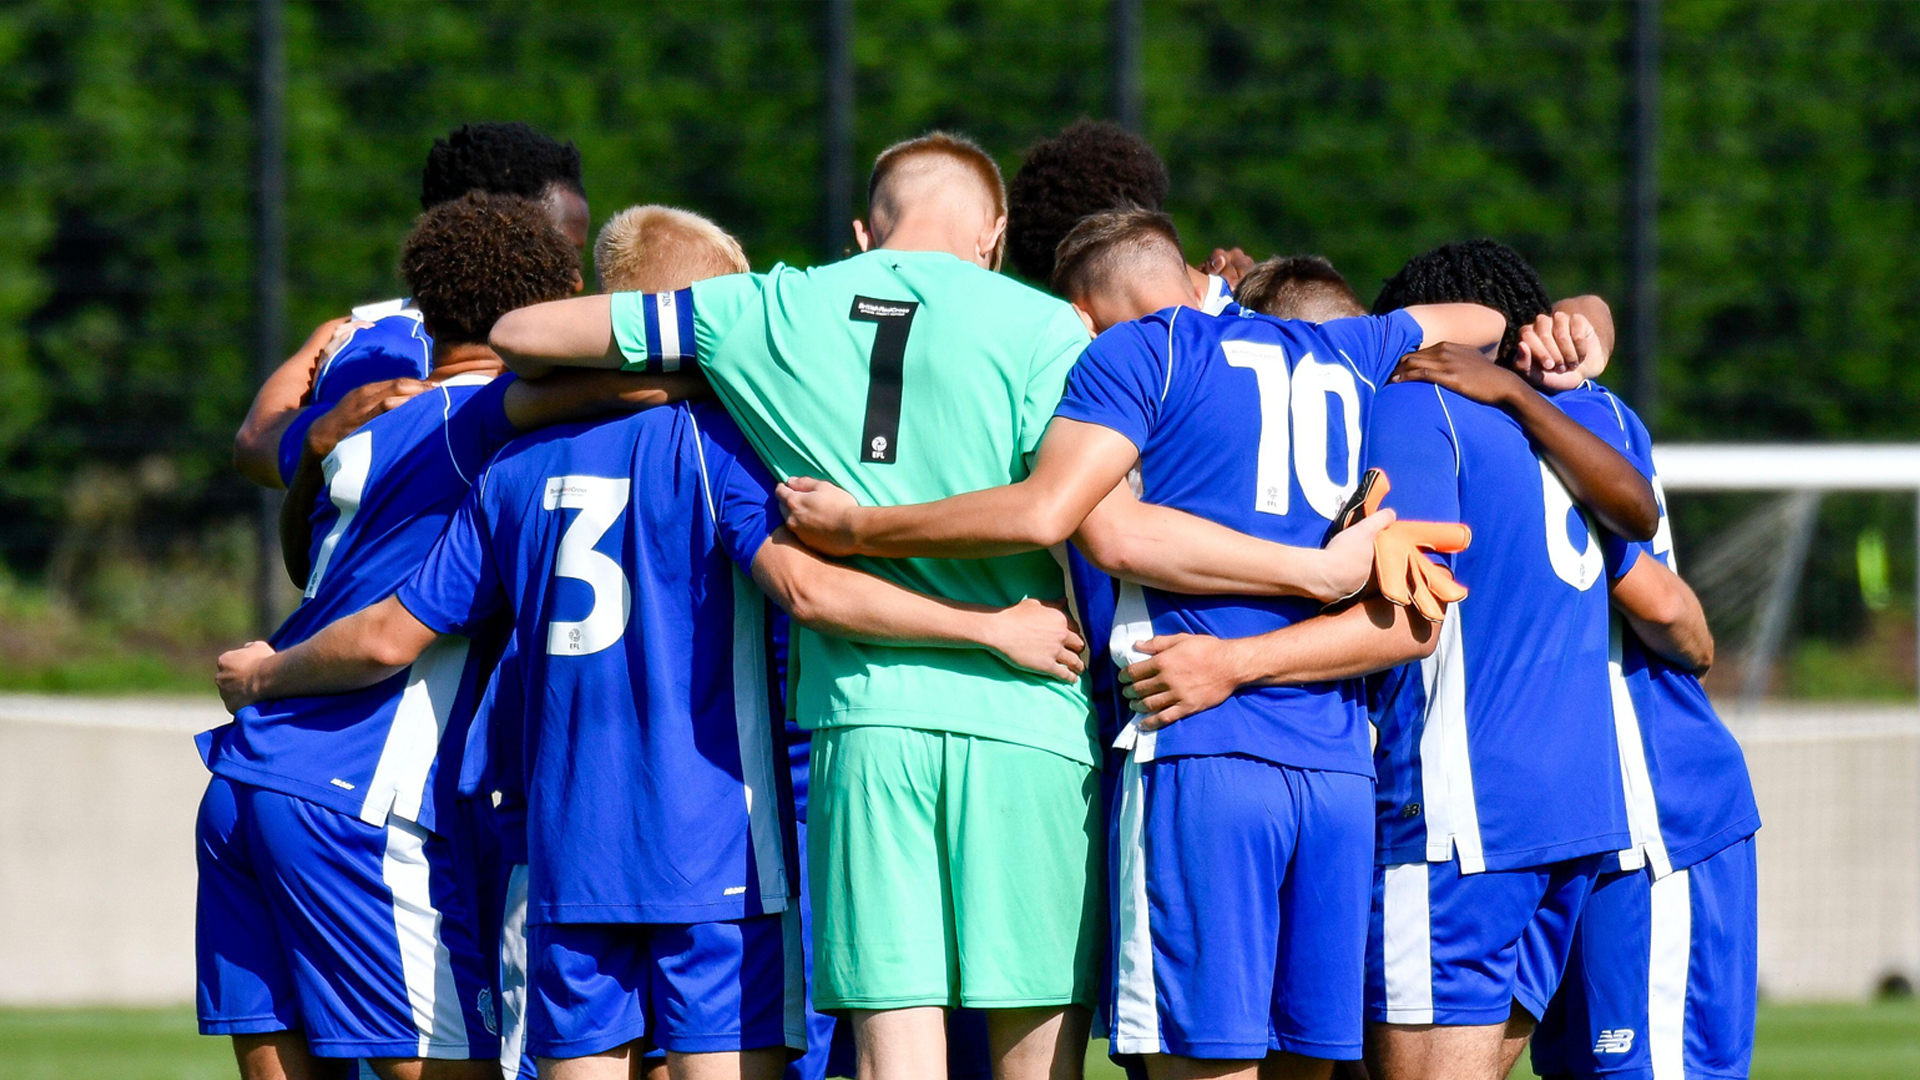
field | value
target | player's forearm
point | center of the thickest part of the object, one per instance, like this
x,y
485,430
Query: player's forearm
x,y
1370,636
576,332
978,525
581,395
256,446
1178,552
1595,474
350,654
835,599
1473,325
296,537
1665,614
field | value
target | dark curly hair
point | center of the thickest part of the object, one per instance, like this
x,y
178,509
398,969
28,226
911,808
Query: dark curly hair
x,y
1089,167
480,256
503,159
1475,272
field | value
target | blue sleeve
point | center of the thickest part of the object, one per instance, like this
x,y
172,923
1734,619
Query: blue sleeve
x,y
478,427
1374,344
1412,439
459,587
746,511
1600,412
1121,380
293,443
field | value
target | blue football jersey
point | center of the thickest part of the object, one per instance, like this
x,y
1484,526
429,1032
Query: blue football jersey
x,y
621,550
1254,423
1499,748
391,487
394,346
1686,785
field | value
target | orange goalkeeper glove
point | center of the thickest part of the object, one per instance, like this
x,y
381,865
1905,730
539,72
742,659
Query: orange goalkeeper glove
x,y
1410,579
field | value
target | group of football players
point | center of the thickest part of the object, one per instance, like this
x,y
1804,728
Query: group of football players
x,y
892,669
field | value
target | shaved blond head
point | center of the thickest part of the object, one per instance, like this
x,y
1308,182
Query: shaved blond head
x,y
937,173
661,248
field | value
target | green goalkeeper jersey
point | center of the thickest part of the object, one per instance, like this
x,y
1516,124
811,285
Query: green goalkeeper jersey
x,y
903,377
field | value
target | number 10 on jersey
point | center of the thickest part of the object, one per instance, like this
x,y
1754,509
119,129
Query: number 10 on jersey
x,y
1293,427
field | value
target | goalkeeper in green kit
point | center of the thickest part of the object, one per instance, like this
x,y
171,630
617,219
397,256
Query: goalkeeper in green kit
x,y
954,833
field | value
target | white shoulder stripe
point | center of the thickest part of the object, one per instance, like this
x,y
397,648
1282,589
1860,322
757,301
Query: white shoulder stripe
x,y
706,485
1356,371
1442,399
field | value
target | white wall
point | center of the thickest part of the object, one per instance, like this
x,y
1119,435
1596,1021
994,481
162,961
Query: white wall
x,y
97,799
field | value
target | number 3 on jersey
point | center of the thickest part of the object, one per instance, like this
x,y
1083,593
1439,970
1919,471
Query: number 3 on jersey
x,y
600,501
1293,427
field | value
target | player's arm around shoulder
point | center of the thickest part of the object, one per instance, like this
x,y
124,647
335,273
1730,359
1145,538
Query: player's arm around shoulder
x,y
351,653
834,599
575,332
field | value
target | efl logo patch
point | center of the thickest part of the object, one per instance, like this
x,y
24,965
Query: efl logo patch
x,y
1614,1041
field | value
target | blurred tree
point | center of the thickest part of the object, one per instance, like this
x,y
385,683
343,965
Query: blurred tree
x,y
1367,131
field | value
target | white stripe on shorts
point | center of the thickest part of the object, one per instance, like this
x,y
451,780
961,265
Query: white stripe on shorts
x,y
513,974
425,963
1136,1011
1671,950
1406,944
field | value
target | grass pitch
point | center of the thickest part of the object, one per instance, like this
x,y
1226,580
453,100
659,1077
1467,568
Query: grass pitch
x,y
1796,1042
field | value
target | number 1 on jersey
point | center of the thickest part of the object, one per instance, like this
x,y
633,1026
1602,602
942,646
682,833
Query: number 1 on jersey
x,y
885,364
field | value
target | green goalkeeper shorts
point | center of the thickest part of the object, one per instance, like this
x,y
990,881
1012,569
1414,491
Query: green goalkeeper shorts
x,y
951,870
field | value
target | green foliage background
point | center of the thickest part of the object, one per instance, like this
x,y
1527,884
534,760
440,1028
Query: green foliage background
x,y
1366,130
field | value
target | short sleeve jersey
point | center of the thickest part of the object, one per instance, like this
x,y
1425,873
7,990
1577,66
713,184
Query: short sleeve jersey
x,y
654,781
1255,423
1685,779
395,346
394,747
903,377
1499,748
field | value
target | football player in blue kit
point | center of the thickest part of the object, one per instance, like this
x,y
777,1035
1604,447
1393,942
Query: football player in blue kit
x,y
1242,842
385,342
626,552
1490,826
336,909
1662,978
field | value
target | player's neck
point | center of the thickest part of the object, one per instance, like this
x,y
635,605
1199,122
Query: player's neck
x,y
932,232
465,359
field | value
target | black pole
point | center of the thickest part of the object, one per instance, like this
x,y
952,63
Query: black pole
x,y
1643,240
837,149
1125,32
270,284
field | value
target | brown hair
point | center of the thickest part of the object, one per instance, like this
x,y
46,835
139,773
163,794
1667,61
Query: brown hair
x,y
945,144
472,260
1101,245
661,248
1298,287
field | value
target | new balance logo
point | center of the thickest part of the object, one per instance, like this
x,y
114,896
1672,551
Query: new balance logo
x,y
1614,1041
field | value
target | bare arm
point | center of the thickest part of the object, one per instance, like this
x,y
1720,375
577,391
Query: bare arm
x,y
1184,674
351,653
1665,614
1472,325
1597,476
1600,317
848,603
1175,551
576,332
1077,466
580,395
256,446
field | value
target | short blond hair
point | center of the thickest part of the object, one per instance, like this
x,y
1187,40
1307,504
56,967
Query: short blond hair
x,y
662,248
948,148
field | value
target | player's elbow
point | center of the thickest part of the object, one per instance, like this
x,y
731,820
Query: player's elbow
x,y
1643,521
1049,519
1110,547
252,461
386,651
515,336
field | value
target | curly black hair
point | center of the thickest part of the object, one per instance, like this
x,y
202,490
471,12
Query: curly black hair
x,y
504,159
480,256
1475,272
1089,167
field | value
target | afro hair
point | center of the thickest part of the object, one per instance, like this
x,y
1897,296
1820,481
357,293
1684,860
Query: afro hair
x,y
1472,272
1089,167
501,159
480,256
